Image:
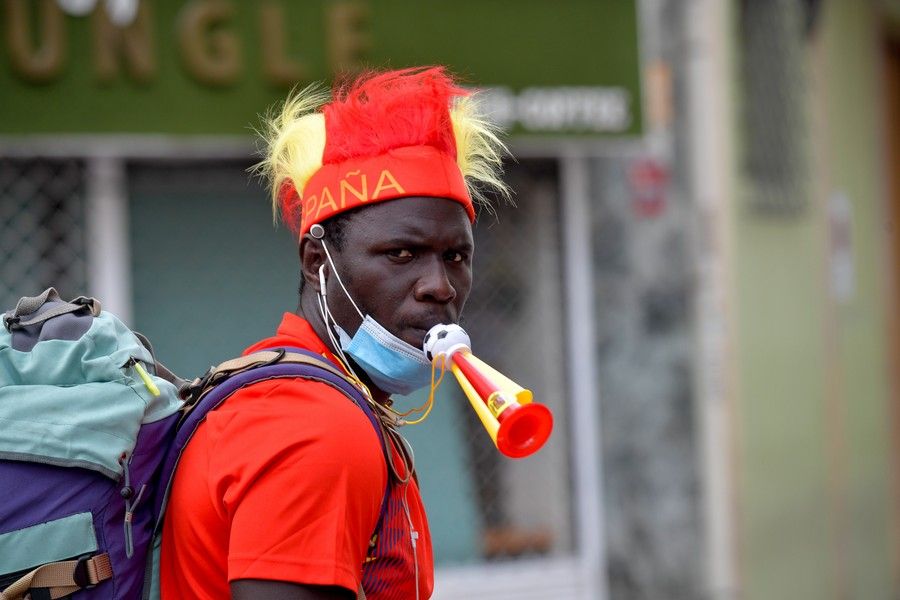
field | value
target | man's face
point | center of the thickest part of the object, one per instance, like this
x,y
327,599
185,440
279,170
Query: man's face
x,y
405,262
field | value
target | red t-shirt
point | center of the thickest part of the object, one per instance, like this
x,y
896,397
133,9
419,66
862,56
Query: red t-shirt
x,y
285,481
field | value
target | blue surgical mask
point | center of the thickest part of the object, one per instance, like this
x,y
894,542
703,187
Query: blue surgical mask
x,y
393,365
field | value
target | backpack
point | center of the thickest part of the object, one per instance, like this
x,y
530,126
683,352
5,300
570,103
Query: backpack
x,y
91,430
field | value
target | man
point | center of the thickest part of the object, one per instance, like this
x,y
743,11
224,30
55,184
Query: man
x,y
284,492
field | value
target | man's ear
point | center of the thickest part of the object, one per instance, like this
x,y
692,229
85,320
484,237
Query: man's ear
x,y
312,257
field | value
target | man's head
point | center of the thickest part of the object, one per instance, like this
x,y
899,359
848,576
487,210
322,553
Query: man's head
x,y
406,262
388,168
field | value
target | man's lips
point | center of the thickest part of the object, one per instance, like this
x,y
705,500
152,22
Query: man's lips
x,y
418,333
426,322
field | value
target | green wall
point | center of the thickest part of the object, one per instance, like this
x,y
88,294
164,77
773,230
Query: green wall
x,y
515,43
813,512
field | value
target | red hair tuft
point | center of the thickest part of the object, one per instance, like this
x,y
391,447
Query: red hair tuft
x,y
378,112
291,204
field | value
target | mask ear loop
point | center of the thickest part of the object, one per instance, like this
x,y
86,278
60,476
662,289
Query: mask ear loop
x,y
322,300
338,277
318,233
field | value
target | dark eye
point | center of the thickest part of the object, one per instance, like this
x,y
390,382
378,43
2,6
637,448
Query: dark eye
x,y
400,253
453,256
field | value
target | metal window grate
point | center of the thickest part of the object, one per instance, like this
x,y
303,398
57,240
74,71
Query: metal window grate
x,y
772,46
42,223
515,318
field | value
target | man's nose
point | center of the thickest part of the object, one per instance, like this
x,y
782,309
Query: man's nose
x,y
434,285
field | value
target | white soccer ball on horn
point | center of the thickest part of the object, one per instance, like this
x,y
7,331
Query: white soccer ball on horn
x,y
445,339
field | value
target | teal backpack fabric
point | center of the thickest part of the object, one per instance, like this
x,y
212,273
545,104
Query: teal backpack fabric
x,y
79,402
85,421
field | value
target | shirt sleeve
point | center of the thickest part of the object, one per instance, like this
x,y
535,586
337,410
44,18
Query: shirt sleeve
x,y
298,471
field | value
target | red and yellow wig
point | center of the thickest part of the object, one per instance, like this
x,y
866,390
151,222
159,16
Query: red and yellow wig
x,y
388,135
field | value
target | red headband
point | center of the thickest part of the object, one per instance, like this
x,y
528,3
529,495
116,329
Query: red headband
x,y
399,173
387,135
